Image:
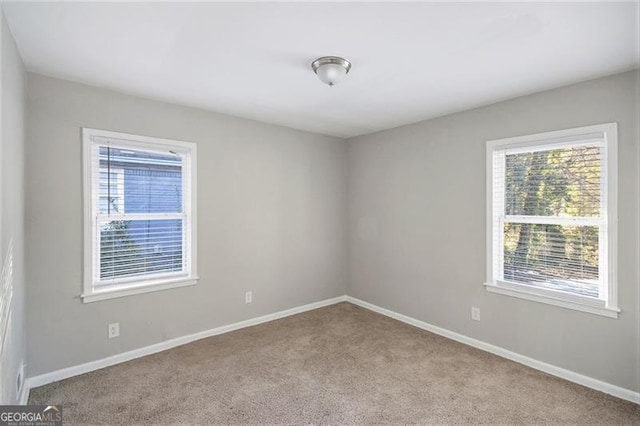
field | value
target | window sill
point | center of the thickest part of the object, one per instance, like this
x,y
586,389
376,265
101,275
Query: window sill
x,y
131,289
592,307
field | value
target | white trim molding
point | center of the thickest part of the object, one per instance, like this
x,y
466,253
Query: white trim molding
x,y
571,376
112,293
578,305
65,373
599,385
95,287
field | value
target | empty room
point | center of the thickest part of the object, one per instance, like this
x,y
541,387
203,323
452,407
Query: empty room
x,y
319,213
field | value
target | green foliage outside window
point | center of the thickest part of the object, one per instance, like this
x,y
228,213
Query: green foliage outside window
x,y
557,183
119,253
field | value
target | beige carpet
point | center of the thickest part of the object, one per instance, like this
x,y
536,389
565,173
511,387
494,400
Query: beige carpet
x,y
336,365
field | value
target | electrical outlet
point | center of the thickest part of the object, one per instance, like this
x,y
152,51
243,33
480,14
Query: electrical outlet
x,y
475,313
114,330
248,297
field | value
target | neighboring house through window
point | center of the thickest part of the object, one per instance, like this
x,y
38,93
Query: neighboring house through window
x,y
139,214
551,218
111,189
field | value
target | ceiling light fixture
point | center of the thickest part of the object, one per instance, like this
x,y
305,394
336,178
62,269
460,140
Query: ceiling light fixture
x,y
331,69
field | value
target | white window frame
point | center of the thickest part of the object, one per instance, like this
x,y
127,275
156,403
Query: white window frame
x,y
92,291
608,306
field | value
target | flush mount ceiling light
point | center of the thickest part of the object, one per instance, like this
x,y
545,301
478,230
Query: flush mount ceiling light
x,y
331,69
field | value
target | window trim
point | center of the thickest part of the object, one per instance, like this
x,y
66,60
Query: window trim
x,y
608,307
93,293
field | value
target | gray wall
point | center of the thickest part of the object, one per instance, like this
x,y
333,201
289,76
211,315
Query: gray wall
x,y
417,228
271,219
271,209
12,205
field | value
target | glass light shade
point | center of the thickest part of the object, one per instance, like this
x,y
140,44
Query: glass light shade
x,y
331,73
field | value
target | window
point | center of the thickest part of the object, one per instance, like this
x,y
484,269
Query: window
x,y
139,199
551,219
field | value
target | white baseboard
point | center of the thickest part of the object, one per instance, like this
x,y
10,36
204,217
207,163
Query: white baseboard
x,y
571,376
65,373
589,382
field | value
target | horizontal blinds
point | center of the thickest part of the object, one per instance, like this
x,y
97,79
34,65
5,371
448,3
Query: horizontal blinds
x,y
140,222
153,181
140,247
548,217
562,182
563,258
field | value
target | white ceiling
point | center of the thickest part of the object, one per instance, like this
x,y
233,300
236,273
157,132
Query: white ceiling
x,y
411,61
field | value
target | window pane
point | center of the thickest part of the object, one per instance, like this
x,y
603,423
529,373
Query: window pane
x,y
140,247
560,182
134,181
110,192
557,257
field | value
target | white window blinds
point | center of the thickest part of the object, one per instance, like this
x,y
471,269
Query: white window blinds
x,y
140,219
550,215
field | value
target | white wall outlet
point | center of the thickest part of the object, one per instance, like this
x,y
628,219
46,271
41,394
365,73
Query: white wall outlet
x,y
248,297
475,313
114,330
